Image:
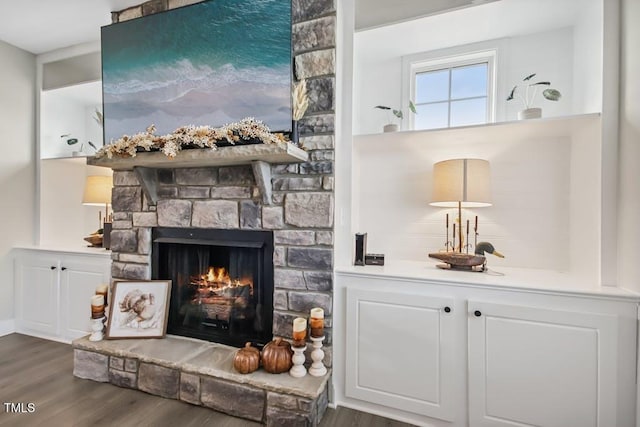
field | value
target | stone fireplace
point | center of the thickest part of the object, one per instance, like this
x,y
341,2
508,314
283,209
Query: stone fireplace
x,y
299,209
220,217
222,282
206,200
294,204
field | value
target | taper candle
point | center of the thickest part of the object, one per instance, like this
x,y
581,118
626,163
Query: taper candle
x,y
467,245
316,321
299,331
446,235
476,226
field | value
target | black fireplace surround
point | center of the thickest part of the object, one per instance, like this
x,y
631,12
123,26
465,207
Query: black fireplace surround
x,y
222,282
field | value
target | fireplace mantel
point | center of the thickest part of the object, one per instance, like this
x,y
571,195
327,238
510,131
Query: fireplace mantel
x,y
259,156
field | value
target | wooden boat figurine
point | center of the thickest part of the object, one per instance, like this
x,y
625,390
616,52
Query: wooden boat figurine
x,y
462,261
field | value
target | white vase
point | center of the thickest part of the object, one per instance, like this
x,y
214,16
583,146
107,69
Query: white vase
x,y
530,113
392,127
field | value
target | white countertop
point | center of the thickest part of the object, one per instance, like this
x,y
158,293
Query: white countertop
x,y
499,278
72,249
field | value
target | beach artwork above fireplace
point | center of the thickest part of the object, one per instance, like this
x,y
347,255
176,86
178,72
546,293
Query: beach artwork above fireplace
x,y
210,63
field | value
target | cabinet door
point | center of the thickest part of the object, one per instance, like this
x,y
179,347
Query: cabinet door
x,y
36,287
399,351
541,367
79,278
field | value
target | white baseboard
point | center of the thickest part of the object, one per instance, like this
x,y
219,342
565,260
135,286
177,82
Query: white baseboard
x,y
7,327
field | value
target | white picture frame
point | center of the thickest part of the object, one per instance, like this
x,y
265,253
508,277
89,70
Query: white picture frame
x,y
139,309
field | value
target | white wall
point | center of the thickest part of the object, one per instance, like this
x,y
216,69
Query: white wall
x,y
64,221
67,106
69,111
552,52
17,170
545,188
548,55
629,149
587,55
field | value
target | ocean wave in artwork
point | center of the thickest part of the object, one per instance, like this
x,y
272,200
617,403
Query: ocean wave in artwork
x,y
184,76
211,63
214,98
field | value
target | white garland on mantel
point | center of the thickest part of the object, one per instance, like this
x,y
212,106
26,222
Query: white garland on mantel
x,y
198,136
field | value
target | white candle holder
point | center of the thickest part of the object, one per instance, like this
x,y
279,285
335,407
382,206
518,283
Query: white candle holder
x,y
317,368
298,370
97,326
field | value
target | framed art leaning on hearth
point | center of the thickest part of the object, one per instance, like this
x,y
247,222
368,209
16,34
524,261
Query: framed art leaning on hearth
x,y
139,309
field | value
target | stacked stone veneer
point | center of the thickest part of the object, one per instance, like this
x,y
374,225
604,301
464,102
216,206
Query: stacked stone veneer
x,y
276,405
301,213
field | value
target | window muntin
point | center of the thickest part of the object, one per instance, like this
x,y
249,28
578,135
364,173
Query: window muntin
x,y
452,96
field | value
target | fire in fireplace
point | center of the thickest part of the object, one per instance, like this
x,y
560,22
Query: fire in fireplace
x,y
222,282
216,295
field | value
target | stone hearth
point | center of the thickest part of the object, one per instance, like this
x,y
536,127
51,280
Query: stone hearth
x,y
201,373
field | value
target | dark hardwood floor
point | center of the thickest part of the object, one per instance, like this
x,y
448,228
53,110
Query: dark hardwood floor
x,y
39,372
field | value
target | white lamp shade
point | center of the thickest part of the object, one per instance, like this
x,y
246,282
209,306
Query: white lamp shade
x,y
461,180
97,190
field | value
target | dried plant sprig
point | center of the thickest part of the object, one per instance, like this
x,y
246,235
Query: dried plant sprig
x,y
98,117
191,136
300,99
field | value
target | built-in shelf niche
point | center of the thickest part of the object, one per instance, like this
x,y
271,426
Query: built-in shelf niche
x,y
546,188
70,111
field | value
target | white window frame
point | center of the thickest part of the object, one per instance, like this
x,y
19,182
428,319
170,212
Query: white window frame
x,y
490,52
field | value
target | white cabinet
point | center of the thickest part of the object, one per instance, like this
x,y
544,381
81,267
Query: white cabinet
x,y
36,292
401,354
53,292
78,281
438,354
533,366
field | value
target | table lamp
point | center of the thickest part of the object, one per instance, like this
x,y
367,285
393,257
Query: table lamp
x,y
461,183
97,192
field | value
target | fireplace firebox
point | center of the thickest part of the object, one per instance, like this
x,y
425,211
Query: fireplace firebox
x,y
222,282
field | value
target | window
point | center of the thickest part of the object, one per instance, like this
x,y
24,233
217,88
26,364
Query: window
x,y
452,91
451,97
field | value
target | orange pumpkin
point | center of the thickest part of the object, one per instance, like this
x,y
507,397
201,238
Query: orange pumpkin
x,y
276,356
247,359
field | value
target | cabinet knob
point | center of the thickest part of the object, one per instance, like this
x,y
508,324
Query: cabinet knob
x,y
447,309
477,313
53,267
63,268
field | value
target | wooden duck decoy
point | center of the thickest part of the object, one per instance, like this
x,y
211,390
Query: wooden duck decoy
x,y
462,261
